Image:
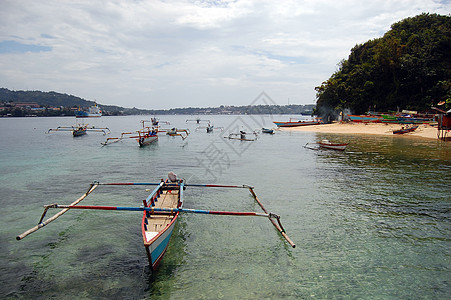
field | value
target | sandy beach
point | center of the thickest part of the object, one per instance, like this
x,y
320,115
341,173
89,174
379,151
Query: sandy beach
x,y
423,131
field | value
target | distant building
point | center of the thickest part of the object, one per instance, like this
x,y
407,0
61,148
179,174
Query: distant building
x,y
26,104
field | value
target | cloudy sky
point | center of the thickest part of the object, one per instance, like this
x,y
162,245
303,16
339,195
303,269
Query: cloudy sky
x,y
160,54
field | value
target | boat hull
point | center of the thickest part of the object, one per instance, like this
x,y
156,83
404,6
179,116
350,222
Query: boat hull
x,y
157,227
265,130
147,140
92,112
406,130
296,124
333,146
79,131
157,247
365,118
83,114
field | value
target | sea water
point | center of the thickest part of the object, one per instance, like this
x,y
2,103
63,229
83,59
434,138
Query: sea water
x,y
370,222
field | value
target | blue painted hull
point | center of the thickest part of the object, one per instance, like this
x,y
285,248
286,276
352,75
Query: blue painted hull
x,y
157,228
296,124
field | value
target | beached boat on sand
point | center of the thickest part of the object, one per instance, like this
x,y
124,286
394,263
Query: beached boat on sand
x,y
296,123
405,130
365,118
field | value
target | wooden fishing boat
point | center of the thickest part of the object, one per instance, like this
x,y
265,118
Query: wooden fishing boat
x,y
146,135
241,136
209,128
160,213
266,130
80,129
296,123
405,130
183,133
365,118
157,227
198,120
334,146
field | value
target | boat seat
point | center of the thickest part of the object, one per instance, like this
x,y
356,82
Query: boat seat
x,y
150,235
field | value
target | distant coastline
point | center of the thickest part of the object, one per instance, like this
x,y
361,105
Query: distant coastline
x,y
48,104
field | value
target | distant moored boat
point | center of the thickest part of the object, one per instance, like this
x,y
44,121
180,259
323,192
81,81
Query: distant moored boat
x,y
93,111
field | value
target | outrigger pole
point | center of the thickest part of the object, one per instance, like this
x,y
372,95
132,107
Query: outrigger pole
x,y
164,210
42,224
278,226
195,185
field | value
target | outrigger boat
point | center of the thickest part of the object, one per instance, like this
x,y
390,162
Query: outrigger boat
x,y
183,133
209,128
241,136
198,120
326,144
334,146
146,135
156,122
160,212
266,130
80,129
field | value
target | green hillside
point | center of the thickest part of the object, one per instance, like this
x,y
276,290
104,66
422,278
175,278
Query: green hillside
x,y
53,99
408,68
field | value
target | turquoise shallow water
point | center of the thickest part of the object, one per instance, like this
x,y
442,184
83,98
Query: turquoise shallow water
x,y
371,222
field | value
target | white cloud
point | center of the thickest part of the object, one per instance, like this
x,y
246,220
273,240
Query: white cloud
x,y
162,54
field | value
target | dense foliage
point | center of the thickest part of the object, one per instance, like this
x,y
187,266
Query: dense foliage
x,y
408,68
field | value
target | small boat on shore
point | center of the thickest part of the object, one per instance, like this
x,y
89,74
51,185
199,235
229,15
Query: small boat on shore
x,y
160,212
296,123
365,118
405,130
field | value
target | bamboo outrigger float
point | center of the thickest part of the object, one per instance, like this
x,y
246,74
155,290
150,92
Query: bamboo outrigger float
x,y
160,212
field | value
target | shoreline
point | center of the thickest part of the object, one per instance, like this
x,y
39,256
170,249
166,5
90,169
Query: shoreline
x,y
423,130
